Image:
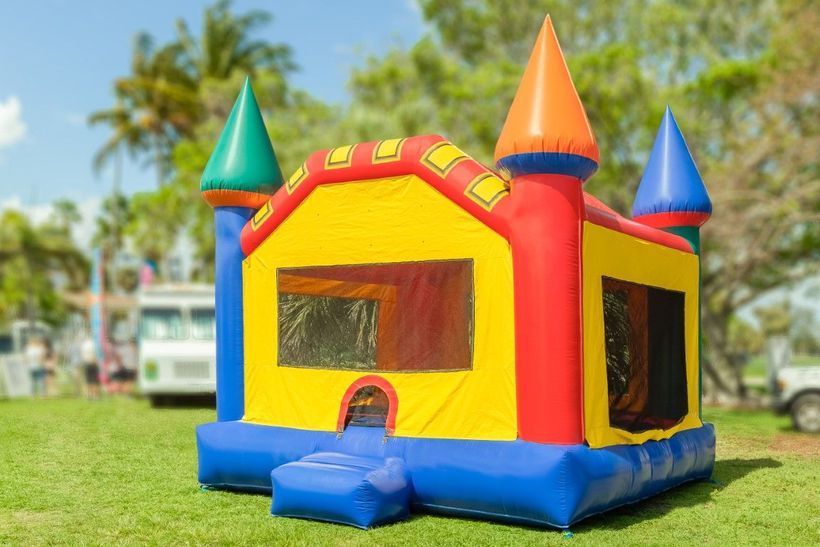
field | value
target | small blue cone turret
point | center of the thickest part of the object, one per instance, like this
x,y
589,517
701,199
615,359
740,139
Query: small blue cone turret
x,y
671,192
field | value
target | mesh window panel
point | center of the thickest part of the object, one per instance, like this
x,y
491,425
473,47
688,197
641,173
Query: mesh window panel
x,y
403,317
645,355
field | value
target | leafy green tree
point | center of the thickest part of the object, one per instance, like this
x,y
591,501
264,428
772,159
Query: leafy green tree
x,y
156,106
35,263
158,103
66,214
171,108
297,124
127,136
225,46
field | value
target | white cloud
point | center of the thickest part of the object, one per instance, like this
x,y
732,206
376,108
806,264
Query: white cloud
x,y
76,119
413,6
12,126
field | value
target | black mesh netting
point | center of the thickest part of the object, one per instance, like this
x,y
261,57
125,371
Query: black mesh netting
x,y
645,355
408,316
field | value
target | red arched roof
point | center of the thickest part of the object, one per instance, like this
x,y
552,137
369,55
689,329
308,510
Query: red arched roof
x,y
439,163
433,159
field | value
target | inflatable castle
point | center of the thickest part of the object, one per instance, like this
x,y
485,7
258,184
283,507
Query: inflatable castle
x,y
401,328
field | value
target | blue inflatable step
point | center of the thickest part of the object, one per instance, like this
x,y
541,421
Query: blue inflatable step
x,y
335,487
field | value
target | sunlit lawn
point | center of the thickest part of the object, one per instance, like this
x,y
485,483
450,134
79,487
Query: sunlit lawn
x,y
108,472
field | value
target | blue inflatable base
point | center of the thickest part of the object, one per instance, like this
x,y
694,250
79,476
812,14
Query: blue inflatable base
x,y
515,481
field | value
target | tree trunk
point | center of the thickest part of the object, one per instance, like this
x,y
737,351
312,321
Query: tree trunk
x,y
720,365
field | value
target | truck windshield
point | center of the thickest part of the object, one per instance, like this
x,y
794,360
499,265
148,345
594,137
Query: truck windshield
x,y
162,324
203,323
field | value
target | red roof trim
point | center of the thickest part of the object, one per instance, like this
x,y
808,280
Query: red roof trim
x,y
610,219
410,152
673,218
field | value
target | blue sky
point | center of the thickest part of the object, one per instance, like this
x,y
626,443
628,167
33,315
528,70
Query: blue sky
x,y
59,57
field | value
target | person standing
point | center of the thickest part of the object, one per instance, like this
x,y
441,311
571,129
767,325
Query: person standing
x,y
35,358
50,366
91,368
129,357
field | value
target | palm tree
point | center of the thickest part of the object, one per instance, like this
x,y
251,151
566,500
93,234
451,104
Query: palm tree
x,y
225,45
158,103
127,136
156,106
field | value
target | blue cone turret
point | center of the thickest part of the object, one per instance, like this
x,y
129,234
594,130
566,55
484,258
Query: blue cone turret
x,y
671,192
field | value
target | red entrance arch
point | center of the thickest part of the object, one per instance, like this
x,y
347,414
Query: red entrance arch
x,y
379,382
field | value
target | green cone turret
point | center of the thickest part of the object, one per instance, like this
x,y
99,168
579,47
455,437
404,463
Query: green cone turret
x,y
243,170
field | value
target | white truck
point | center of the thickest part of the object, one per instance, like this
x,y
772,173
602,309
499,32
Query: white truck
x,y
797,392
177,348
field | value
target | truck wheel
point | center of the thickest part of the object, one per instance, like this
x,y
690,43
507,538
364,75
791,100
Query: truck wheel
x,y
806,413
158,401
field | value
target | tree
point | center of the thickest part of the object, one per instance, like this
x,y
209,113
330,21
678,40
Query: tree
x,y
765,232
225,46
34,262
127,137
171,108
156,106
66,214
159,104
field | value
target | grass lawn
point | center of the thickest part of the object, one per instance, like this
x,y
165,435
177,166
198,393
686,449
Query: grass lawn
x,y
119,472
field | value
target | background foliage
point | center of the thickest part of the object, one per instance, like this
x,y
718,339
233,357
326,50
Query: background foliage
x,y
742,78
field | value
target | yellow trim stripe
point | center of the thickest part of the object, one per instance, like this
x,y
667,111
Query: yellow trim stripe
x,y
442,157
340,157
487,190
388,150
261,216
296,178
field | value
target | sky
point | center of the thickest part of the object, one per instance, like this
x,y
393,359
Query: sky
x,y
58,59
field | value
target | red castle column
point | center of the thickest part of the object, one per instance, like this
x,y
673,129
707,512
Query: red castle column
x,y
548,148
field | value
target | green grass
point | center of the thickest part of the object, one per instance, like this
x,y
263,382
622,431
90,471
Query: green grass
x,y
117,472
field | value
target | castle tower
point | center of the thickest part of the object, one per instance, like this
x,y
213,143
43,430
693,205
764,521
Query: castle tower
x,y
671,195
240,176
548,149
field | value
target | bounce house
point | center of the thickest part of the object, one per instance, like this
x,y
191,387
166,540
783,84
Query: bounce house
x,y
401,328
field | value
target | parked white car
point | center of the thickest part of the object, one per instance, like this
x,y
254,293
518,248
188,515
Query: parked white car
x,y
177,348
798,393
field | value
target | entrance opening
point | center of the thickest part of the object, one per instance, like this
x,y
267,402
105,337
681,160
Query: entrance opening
x,y
368,407
370,401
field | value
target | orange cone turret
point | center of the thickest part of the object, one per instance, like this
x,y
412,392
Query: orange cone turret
x,y
547,130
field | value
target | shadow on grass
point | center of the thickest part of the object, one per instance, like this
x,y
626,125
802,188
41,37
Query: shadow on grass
x,y
183,401
691,494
